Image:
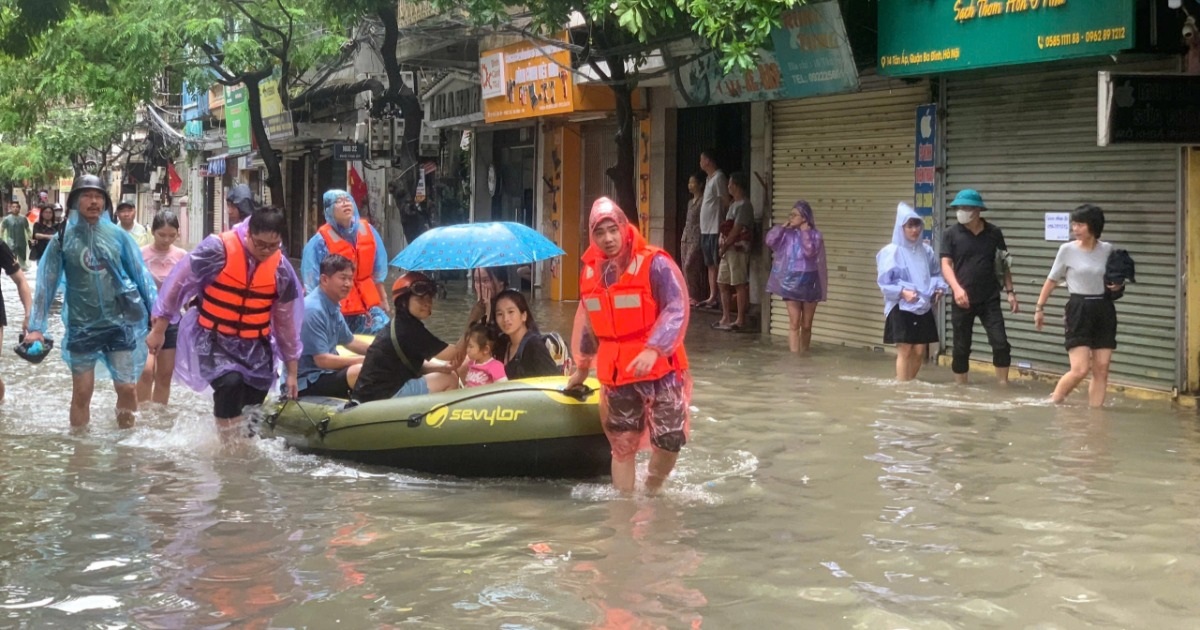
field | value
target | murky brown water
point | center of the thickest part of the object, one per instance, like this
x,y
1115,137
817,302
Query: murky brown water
x,y
816,493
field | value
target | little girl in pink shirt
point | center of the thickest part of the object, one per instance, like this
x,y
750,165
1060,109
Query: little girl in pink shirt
x,y
481,368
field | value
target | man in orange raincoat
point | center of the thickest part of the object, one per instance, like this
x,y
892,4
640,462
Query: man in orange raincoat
x,y
632,318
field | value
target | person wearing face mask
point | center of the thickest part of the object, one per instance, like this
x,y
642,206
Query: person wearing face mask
x,y
971,253
911,281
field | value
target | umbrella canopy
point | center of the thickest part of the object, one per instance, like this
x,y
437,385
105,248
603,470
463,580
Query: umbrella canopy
x,y
475,245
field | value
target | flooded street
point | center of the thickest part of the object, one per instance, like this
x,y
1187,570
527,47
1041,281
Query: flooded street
x,y
815,493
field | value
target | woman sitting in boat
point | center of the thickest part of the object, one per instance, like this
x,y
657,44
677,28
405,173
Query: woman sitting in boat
x,y
521,348
406,359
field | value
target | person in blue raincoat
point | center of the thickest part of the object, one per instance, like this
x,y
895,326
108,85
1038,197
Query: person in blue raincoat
x,y
910,277
346,234
107,293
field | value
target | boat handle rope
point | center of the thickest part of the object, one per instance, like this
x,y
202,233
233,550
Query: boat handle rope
x,y
415,420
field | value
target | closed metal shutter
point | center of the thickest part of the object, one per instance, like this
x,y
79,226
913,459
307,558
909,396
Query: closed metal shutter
x,y
1027,142
851,157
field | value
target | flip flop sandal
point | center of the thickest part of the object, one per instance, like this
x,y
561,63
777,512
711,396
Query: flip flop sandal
x,y
718,326
734,328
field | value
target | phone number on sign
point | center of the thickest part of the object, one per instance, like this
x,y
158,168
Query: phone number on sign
x,y
1088,37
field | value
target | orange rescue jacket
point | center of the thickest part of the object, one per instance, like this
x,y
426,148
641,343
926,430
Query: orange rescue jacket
x,y
235,304
364,295
622,317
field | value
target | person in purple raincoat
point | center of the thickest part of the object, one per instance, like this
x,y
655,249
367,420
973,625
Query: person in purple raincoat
x,y
910,277
631,323
244,319
799,274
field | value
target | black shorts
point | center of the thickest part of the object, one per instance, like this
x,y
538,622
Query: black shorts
x,y
231,395
904,327
710,248
171,337
1090,321
330,385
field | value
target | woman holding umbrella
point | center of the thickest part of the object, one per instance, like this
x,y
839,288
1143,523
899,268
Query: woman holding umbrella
x,y
522,349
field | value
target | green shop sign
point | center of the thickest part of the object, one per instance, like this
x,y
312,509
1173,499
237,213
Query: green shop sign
x,y
932,36
237,119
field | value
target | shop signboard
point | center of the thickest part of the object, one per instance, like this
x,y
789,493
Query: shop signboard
x,y
918,37
925,173
807,55
536,81
276,119
1148,109
237,120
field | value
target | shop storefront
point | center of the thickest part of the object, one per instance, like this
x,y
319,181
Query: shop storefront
x,y
851,157
530,158
1019,108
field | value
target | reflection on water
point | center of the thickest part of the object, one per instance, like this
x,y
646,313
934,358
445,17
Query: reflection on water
x,y
816,493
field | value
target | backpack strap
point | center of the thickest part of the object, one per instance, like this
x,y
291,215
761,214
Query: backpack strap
x,y
400,353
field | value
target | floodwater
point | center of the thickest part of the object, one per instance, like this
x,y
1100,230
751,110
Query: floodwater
x,y
816,493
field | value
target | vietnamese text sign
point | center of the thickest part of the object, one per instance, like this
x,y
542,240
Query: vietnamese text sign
x,y
923,36
350,151
1149,109
537,82
810,55
491,74
1058,226
237,119
925,173
276,119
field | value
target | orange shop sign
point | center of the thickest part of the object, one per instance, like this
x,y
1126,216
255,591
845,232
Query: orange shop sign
x,y
525,80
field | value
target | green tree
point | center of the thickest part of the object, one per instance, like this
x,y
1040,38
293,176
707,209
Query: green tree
x,y
248,42
618,36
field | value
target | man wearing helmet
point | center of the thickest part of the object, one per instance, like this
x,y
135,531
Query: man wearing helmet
x,y
406,359
106,300
632,318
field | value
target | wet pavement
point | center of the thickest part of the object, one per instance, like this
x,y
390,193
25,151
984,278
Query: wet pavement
x,y
816,493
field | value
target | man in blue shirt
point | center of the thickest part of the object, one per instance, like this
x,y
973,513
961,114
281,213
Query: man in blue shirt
x,y
323,372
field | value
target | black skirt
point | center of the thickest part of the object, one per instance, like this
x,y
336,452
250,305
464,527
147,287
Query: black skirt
x,y
905,327
1090,320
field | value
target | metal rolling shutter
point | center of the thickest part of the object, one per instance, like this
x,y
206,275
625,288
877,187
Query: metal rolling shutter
x,y
1028,143
851,157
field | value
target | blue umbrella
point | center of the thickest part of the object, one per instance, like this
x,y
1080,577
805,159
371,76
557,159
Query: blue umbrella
x,y
475,245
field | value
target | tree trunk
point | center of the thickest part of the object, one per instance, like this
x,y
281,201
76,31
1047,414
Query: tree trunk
x,y
623,172
265,152
399,96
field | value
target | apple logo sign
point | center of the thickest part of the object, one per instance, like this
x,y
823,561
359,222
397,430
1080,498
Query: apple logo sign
x,y
926,125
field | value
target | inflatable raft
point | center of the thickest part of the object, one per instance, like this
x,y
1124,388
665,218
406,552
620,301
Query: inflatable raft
x,y
526,428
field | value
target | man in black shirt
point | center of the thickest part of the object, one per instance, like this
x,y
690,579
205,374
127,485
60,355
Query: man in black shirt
x,y
8,262
970,253
392,369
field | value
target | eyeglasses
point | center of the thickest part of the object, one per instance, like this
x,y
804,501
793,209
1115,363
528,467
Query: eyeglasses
x,y
265,246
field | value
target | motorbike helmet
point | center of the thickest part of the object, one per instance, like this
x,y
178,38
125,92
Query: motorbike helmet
x,y
88,182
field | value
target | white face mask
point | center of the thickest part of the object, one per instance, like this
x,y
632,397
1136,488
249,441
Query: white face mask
x,y
965,216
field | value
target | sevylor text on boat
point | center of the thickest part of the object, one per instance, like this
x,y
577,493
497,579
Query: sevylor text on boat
x,y
525,428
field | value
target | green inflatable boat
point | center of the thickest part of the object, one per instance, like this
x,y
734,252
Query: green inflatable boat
x,y
526,428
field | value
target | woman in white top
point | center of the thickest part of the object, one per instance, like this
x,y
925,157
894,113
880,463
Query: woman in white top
x,y
1090,316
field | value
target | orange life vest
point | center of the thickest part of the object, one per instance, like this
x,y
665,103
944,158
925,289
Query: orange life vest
x,y
364,294
623,315
235,304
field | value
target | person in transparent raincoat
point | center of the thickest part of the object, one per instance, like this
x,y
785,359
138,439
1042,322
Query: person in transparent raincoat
x,y
910,278
107,296
347,234
245,315
630,326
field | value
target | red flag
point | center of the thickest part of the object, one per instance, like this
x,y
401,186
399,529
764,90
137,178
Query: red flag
x,y
358,188
174,183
